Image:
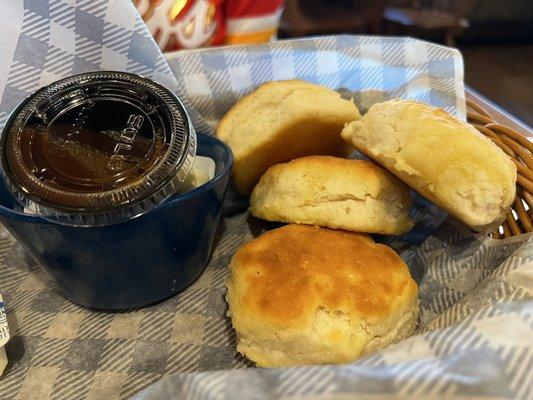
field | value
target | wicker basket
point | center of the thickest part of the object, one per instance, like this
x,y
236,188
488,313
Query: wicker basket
x,y
520,149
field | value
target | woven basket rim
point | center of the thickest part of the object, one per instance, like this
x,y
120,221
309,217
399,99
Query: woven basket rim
x,y
518,220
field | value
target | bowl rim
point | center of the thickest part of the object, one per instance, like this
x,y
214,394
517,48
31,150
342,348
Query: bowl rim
x,y
32,218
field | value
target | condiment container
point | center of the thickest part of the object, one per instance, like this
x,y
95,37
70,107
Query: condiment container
x,y
4,336
91,168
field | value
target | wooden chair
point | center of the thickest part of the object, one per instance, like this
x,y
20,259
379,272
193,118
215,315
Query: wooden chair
x,y
445,18
320,17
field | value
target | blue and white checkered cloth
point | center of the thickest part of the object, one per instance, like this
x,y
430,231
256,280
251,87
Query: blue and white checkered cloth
x,y
476,329
368,68
45,40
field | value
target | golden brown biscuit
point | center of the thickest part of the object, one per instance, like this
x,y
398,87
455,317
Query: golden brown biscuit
x,y
444,159
280,121
306,295
354,195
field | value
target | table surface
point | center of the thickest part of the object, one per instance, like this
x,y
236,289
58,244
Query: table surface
x,y
498,114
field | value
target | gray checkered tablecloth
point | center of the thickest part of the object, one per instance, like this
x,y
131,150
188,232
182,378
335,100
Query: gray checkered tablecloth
x,y
476,329
62,351
475,334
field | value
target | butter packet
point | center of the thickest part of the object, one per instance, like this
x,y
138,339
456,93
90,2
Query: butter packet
x,y
4,336
203,170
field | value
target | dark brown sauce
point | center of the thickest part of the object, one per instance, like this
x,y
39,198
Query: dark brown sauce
x,y
89,148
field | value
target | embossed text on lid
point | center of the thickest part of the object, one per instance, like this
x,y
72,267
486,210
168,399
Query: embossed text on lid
x,y
98,148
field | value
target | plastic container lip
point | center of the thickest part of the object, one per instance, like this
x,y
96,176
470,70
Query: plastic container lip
x,y
34,218
150,122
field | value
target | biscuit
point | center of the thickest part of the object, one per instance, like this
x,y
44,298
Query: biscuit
x,y
446,160
355,195
281,121
306,295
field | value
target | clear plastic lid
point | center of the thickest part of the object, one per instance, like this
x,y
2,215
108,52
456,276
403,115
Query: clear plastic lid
x,y
97,148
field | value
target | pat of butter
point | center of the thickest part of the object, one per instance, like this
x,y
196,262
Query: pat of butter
x,y
203,170
4,336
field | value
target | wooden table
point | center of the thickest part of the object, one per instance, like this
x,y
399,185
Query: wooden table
x,y
499,115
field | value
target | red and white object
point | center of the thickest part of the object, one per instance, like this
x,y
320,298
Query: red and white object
x,y
188,24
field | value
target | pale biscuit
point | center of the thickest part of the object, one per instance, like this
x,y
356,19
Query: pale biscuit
x,y
444,159
281,121
355,195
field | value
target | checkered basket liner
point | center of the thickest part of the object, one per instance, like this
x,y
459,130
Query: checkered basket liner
x,y
476,323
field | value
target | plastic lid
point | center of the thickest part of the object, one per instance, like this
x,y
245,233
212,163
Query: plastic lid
x,y
97,148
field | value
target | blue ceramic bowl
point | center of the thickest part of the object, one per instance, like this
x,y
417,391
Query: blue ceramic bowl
x,y
133,263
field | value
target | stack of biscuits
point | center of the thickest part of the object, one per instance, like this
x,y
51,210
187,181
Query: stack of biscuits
x,y
320,290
